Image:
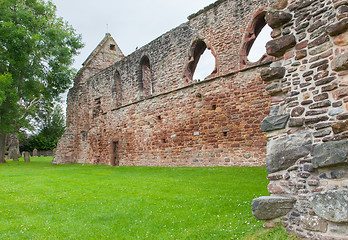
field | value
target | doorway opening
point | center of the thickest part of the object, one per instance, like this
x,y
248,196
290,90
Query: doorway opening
x,y
115,156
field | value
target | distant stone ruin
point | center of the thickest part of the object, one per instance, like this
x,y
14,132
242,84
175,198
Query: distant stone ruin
x,y
146,109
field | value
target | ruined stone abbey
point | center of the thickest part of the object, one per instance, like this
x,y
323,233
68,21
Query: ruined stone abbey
x,y
288,110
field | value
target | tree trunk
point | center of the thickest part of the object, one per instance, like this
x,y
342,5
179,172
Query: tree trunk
x,y
2,147
13,146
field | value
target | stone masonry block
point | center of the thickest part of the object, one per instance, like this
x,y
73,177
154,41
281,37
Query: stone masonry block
x,y
277,19
330,153
284,152
279,46
340,63
265,208
338,27
272,73
331,205
274,122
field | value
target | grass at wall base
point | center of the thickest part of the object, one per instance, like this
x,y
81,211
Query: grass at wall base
x,y
43,201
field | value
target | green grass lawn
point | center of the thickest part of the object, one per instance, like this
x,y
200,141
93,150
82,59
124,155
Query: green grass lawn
x,y
42,201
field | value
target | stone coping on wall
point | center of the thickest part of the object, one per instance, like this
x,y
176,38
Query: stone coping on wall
x,y
207,8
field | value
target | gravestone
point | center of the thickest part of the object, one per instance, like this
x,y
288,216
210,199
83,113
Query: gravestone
x,y
35,152
26,157
15,155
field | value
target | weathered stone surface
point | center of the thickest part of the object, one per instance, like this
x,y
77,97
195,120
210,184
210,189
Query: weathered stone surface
x,y
276,19
13,146
342,116
338,27
279,4
330,153
266,208
274,122
314,223
316,119
272,73
26,157
284,152
340,63
340,126
342,12
278,46
274,188
320,49
35,153
322,104
300,4
341,40
334,174
335,112
301,54
319,40
14,155
276,33
296,122
273,88
322,133
297,111
331,205
323,81
340,229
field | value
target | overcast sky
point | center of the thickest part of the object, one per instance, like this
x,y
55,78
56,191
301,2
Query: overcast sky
x,y
132,24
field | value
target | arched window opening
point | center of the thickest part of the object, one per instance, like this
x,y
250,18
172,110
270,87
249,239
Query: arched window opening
x,y
202,62
205,66
258,48
146,82
117,89
257,35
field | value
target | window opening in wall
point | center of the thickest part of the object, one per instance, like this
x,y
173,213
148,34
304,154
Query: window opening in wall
x,y
164,140
146,83
258,48
112,47
159,117
258,34
97,107
202,62
213,107
205,66
117,89
225,134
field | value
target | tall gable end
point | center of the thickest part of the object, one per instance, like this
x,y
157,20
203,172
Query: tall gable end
x,y
104,55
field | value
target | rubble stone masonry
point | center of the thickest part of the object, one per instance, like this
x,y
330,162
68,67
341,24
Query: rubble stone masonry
x,y
289,110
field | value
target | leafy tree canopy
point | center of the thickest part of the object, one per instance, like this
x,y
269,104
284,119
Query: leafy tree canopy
x,y
36,50
51,129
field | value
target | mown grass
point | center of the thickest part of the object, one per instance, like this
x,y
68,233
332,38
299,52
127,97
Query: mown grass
x,y
42,201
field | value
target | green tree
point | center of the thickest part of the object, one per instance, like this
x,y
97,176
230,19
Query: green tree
x,y
36,50
52,127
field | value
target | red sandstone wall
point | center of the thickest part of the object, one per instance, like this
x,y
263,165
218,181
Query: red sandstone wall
x,y
190,132
208,124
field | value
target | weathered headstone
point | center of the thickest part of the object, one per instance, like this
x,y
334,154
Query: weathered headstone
x,y
35,152
14,155
26,157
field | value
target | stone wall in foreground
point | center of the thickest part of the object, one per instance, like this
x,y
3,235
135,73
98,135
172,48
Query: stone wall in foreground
x,y
307,150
